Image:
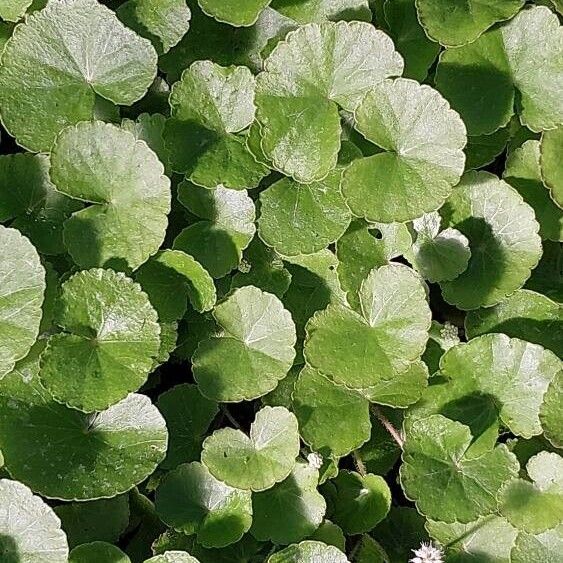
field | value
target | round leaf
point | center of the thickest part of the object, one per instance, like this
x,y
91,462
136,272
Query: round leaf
x,y
97,551
551,147
254,351
303,218
21,296
77,456
329,416
359,351
234,12
29,529
308,11
13,10
423,141
60,60
172,557
503,239
307,551
318,68
551,415
291,510
192,501
545,547
124,182
257,462
443,480
109,341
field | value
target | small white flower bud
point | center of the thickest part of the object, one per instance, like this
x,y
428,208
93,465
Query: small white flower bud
x,y
427,553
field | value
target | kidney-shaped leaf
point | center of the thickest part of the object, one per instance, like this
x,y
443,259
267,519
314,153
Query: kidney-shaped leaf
x,y
253,352
109,341
97,551
551,414
308,551
257,462
235,12
124,182
173,557
60,60
551,147
423,141
316,70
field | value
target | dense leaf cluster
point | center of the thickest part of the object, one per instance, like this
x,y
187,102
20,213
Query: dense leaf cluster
x,y
280,281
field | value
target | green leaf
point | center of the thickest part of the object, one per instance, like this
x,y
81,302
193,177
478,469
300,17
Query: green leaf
x,y
438,255
97,520
308,551
192,501
367,550
547,278
29,529
124,182
60,60
551,416
523,173
291,510
188,415
170,278
109,340
209,105
524,314
173,557
550,154
495,62
303,218
254,351
309,11
409,37
21,297
224,231
77,456
97,551
503,239
486,539
442,338
13,10
454,23
30,201
445,482
360,501
305,79
483,149
331,534
330,417
257,462
234,12
391,332
423,141
163,22
545,547
514,373
365,246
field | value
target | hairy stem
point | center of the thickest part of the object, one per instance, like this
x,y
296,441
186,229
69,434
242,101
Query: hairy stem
x,y
358,462
386,423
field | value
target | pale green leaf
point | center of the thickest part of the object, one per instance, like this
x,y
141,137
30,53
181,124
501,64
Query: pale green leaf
x,y
97,551
308,551
551,147
172,557
551,414
545,547
309,11
235,12
13,10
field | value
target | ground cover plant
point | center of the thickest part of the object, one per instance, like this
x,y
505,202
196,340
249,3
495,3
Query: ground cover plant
x,y
281,281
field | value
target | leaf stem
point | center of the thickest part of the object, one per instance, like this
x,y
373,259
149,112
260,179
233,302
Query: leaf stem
x,y
230,417
358,462
386,423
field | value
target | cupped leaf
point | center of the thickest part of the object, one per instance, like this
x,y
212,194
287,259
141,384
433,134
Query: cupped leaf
x,y
192,501
29,529
209,106
303,218
445,482
309,11
551,415
224,231
234,12
29,200
60,60
330,417
170,278
95,552
545,547
21,297
360,502
77,456
502,232
512,371
359,351
188,415
164,22
307,551
495,62
253,352
109,341
291,510
124,182
316,70
452,23
551,147
523,173
526,315
423,141
258,461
